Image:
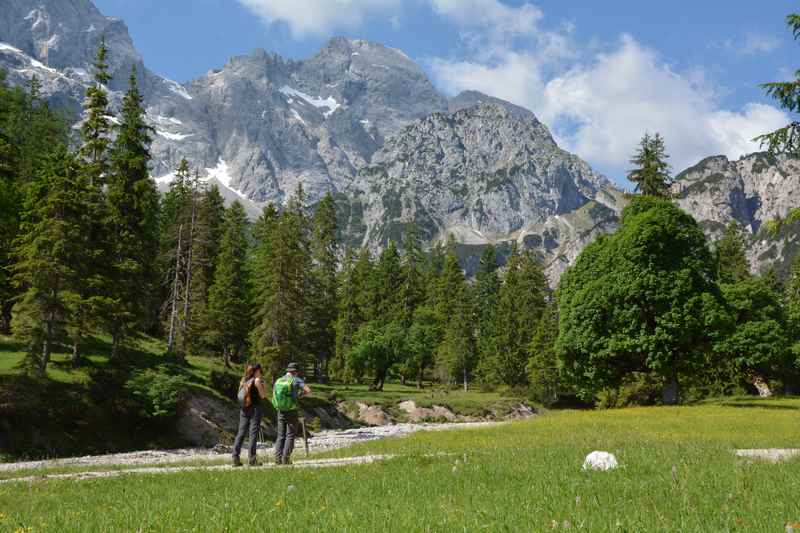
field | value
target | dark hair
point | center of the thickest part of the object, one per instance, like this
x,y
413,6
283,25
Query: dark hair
x,y
250,371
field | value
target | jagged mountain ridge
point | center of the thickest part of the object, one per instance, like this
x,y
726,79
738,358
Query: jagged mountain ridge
x,y
364,121
753,190
487,173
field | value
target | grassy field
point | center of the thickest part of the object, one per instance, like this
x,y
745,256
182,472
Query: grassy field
x,y
678,474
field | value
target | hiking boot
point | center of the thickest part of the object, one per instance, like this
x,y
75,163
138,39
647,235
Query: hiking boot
x,y
237,462
255,463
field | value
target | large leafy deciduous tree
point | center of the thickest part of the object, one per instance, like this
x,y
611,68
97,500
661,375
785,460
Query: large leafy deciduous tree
x,y
651,172
757,344
643,299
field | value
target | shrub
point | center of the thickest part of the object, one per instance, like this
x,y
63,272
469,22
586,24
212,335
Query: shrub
x,y
157,393
224,383
637,388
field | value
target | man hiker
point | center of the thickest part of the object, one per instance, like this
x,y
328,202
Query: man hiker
x,y
251,390
285,393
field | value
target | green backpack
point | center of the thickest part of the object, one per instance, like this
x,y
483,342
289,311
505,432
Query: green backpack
x,y
282,397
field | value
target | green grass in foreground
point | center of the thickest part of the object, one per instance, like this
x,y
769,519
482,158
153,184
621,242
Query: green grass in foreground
x,y
518,477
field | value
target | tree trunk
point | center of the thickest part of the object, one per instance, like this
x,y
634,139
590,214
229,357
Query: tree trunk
x,y
5,318
419,376
671,392
76,351
188,288
402,378
226,355
465,379
43,362
174,313
115,344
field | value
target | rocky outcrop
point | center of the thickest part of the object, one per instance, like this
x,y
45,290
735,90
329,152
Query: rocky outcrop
x,y
489,173
753,191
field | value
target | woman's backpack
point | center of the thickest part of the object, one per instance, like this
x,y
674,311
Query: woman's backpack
x,y
244,396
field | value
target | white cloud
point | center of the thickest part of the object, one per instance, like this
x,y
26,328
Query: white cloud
x,y
491,14
319,17
322,17
752,44
599,104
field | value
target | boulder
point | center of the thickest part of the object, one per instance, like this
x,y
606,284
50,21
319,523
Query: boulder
x,y
374,415
600,461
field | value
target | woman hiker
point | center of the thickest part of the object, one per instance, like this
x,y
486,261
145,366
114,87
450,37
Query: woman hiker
x,y
285,393
251,390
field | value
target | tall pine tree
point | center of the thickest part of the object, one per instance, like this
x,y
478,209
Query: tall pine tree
x,y
228,300
325,255
50,256
651,172
730,259
281,293
133,222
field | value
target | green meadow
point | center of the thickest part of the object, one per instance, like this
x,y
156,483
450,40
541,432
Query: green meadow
x,y
677,472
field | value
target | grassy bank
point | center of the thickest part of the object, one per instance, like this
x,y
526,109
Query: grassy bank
x,y
678,474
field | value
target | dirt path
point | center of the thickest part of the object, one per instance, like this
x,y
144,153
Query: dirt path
x,y
314,463
322,441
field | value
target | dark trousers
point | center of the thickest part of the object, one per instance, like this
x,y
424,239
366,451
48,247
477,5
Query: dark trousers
x,y
250,417
288,422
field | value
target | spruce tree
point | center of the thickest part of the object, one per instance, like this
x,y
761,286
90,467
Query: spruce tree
x,y
9,198
30,132
387,282
352,309
366,294
96,132
484,301
325,255
730,259
544,375
96,127
787,93
208,236
282,279
454,357
133,221
412,295
348,315
228,300
651,172
412,292
520,304
50,255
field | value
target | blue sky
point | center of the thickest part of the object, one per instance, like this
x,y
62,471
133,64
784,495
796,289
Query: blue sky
x,y
598,73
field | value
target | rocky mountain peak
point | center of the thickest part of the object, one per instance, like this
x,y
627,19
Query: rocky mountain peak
x,y
64,34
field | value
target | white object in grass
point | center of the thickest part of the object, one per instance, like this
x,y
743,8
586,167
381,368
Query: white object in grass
x,y
600,461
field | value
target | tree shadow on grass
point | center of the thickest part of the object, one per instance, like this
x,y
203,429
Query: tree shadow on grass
x,y
757,405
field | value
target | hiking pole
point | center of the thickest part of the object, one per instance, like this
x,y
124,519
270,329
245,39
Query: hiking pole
x,y
305,434
260,439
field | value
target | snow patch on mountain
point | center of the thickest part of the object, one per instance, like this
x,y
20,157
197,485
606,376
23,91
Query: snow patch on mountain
x,y
330,102
221,173
178,89
173,136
